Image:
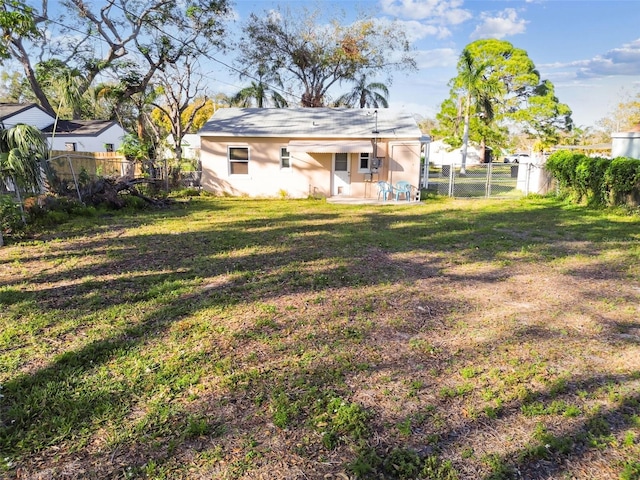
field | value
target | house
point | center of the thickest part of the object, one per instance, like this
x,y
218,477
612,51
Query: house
x,y
301,152
190,147
69,135
440,153
84,135
11,114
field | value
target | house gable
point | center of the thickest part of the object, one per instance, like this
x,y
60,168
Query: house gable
x,y
11,114
85,135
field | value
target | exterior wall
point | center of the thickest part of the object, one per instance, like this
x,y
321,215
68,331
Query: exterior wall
x,y
403,159
32,116
85,143
310,173
625,144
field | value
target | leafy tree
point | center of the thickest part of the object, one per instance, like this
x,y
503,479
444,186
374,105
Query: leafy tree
x,y
201,114
545,116
503,90
13,88
18,20
625,115
313,55
135,39
374,94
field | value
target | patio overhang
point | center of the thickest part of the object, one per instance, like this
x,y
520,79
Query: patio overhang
x,y
330,146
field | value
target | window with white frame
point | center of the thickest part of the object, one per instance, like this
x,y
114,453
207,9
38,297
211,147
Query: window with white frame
x,y
108,147
70,146
285,158
364,163
238,160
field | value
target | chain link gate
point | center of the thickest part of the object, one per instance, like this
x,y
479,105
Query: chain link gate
x,y
487,180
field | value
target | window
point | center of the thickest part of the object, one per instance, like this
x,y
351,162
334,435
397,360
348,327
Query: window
x,y
239,160
108,147
285,158
341,162
70,146
364,164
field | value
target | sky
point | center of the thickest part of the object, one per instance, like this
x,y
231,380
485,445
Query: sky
x,y
589,49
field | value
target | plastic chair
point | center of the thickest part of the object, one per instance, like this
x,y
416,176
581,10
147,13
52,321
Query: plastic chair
x,y
403,188
384,189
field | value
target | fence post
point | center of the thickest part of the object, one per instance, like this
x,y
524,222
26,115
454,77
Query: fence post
x,y
75,180
487,187
451,178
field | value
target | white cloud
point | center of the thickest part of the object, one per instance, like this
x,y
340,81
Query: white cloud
x,y
623,61
437,58
504,24
443,11
619,61
415,30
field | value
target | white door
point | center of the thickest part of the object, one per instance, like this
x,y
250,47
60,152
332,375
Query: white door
x,y
341,174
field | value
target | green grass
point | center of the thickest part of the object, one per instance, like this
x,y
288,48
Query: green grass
x,y
236,338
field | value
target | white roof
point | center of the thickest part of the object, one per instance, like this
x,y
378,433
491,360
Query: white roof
x,y
312,123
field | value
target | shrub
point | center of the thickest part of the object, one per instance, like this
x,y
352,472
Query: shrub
x,y
622,178
10,216
597,180
590,179
562,165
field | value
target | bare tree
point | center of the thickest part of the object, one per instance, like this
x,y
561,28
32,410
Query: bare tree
x,y
312,57
178,86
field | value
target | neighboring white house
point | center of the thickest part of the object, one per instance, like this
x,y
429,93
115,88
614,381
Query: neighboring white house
x,y
12,114
70,135
190,147
441,153
85,135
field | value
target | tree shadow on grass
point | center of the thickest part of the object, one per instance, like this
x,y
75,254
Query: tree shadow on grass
x,y
252,260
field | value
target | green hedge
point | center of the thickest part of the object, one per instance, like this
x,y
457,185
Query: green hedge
x,y
598,181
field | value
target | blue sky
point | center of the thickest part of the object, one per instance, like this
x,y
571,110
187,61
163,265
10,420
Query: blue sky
x,y
590,50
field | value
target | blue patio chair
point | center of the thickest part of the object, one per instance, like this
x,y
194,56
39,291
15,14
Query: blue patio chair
x,y
403,188
384,190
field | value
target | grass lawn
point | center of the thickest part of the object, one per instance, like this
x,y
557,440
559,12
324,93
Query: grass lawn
x,y
234,338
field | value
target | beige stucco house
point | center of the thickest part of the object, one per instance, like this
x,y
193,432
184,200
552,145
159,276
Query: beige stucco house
x,y
301,152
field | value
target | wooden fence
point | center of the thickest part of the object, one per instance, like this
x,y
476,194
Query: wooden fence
x,y
68,165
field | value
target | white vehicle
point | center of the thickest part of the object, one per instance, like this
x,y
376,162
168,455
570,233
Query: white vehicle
x,y
516,157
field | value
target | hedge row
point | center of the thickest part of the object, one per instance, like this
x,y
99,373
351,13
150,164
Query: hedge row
x,y
598,181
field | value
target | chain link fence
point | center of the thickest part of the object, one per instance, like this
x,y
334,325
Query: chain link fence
x,y
487,180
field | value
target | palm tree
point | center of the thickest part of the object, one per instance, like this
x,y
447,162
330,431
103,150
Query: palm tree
x,y
260,91
372,95
23,151
478,90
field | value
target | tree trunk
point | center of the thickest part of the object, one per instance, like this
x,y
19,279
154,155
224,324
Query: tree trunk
x,y
465,135
30,74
